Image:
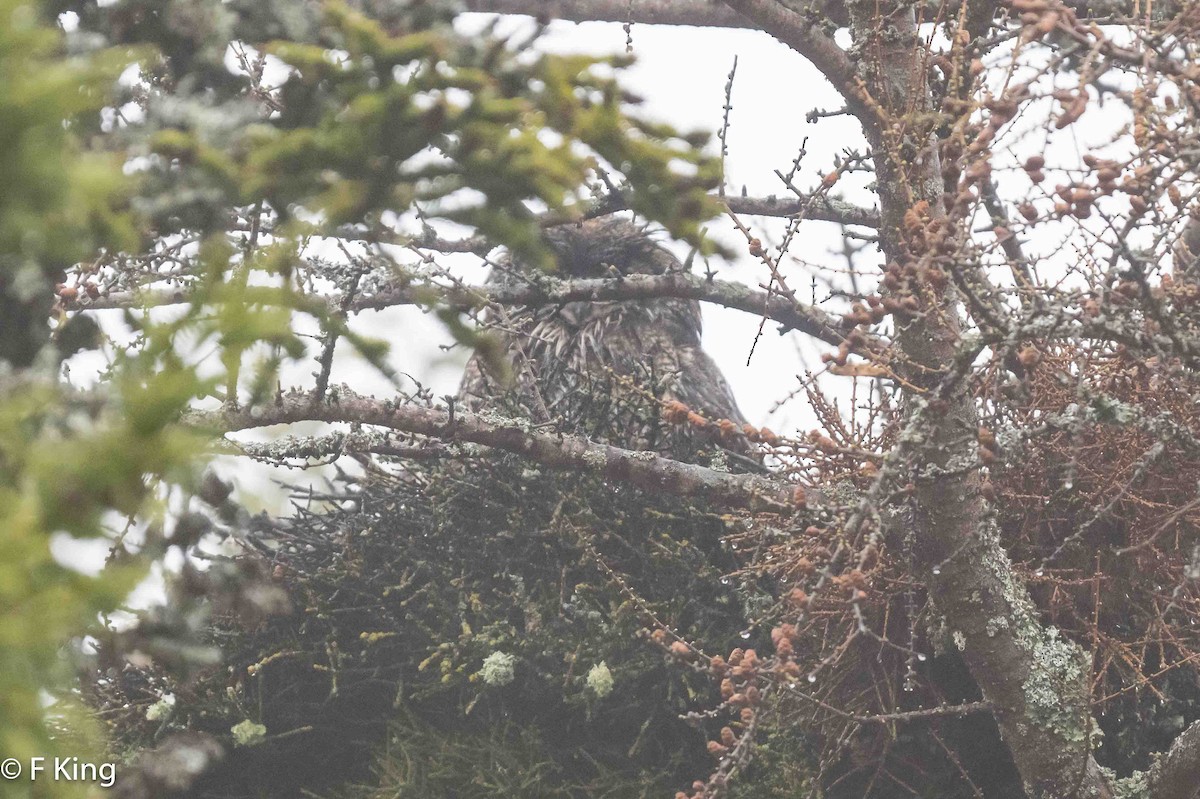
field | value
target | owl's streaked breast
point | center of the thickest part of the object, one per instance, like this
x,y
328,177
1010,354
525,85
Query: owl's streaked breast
x,y
603,369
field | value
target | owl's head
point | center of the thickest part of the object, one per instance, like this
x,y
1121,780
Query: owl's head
x,y
596,247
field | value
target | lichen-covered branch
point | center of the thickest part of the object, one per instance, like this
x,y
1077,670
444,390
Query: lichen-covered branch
x,y
803,34
709,14
651,12
818,207
645,470
790,314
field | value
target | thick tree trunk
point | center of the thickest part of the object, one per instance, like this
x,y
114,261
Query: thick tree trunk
x,y
1036,681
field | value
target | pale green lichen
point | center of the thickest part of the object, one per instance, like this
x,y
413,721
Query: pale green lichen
x,y
600,679
248,733
1135,786
1056,666
995,625
160,709
499,668
1107,409
960,640
376,637
595,459
1057,675
938,634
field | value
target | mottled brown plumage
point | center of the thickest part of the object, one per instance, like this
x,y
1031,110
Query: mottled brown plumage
x,y
604,369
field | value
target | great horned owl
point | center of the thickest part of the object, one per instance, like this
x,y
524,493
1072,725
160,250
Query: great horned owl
x,y
604,369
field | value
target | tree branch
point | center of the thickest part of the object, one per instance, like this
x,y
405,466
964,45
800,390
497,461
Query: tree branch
x,y
818,207
645,470
648,12
801,33
790,314
707,14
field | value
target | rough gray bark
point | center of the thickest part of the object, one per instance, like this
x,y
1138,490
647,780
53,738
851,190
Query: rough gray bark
x,y
1036,682
1177,774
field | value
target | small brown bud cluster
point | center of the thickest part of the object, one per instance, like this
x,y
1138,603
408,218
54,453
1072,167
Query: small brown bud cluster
x,y
1107,172
1182,293
1040,17
1124,292
1034,165
854,581
68,293
739,680
987,446
1001,110
1073,103
904,283
823,443
856,341
925,232
1077,199
1137,186
784,638
969,162
760,435
861,314
674,646
740,676
676,412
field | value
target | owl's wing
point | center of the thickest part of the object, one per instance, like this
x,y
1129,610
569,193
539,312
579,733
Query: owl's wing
x,y
672,338
476,386
515,391
703,388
